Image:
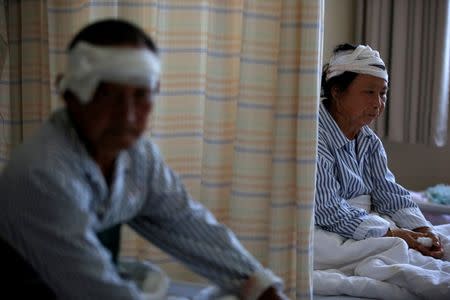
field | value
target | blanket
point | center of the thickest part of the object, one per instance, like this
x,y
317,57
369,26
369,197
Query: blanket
x,y
380,268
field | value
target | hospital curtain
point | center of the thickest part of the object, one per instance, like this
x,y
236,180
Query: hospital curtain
x,y
24,70
236,116
413,38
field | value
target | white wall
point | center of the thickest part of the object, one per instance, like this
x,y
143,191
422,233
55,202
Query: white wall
x,y
418,166
339,25
415,166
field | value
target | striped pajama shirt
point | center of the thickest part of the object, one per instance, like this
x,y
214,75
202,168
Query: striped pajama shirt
x,y
54,199
350,168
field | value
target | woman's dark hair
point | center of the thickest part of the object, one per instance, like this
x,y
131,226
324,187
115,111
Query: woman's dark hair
x,y
343,80
110,32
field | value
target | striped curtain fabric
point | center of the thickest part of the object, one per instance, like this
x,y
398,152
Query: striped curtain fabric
x,y
24,70
236,116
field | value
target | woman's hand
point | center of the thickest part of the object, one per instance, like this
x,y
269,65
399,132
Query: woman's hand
x,y
436,249
411,236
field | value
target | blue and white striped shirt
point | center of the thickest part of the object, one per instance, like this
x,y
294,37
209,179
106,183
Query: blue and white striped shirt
x,y
54,199
349,168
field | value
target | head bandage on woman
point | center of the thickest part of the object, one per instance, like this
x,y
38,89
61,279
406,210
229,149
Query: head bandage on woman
x,y
362,60
88,65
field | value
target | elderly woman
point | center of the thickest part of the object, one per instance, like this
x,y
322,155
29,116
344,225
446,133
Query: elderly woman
x,y
353,178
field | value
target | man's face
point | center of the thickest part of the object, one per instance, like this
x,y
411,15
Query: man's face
x,y
116,116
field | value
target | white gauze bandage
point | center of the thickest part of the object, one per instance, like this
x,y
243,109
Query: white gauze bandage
x,y
88,65
361,60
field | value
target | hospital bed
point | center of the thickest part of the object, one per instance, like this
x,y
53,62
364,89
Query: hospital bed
x,y
195,291
437,214
384,268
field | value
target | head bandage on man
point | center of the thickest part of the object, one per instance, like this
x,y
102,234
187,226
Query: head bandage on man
x,y
362,60
88,65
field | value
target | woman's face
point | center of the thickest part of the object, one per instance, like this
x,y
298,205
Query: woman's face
x,y
363,101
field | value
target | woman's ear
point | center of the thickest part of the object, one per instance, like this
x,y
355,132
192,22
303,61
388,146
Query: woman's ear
x,y
335,92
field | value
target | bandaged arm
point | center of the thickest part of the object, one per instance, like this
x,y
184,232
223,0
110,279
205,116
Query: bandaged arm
x,y
185,229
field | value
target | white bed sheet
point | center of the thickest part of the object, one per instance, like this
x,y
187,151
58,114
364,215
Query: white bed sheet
x,y
383,268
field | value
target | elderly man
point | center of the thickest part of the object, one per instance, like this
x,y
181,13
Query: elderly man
x,y
89,168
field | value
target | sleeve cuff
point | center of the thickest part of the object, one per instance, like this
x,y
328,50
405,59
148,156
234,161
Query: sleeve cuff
x,y
410,218
371,226
259,282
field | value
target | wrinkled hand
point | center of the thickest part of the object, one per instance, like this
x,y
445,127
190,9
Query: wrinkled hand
x,y
436,250
273,294
410,237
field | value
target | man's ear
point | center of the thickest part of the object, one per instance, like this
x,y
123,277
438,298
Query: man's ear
x,y
58,79
67,96
70,99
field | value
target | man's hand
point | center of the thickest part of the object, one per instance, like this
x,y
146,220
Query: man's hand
x,y
273,294
411,236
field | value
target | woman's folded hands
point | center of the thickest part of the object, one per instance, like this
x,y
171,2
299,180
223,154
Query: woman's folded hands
x,y
414,240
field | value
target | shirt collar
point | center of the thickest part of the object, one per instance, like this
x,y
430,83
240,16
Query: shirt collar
x,y
93,172
338,139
